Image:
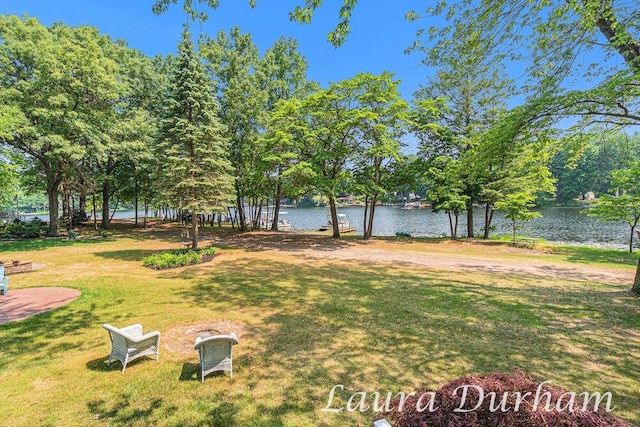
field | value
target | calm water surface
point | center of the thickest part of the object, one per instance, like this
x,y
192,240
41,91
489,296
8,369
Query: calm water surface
x,y
558,225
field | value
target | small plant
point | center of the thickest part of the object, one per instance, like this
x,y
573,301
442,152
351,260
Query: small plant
x,y
178,258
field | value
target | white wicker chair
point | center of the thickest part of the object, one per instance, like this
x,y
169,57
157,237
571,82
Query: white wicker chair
x,y
4,281
216,353
130,343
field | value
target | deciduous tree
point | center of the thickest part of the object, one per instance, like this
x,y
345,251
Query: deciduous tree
x,y
622,207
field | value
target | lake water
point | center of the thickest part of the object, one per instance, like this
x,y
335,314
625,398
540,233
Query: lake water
x,y
558,225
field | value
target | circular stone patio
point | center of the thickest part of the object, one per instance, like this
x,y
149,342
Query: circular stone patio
x,y
20,304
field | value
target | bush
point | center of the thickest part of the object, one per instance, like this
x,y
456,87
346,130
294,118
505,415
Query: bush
x,y
178,258
35,227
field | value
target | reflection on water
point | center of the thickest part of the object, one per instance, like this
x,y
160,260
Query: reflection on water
x,y
559,225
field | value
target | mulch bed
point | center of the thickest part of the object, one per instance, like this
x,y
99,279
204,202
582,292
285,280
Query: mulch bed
x,y
515,386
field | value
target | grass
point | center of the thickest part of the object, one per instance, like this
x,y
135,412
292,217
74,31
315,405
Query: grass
x,y
311,323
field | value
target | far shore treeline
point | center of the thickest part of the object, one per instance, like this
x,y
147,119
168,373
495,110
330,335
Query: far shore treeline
x,y
221,129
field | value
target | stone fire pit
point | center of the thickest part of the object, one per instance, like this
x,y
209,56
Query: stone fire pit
x,y
13,267
181,339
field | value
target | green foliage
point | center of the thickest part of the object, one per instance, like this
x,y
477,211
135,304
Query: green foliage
x,y
177,258
75,108
517,207
8,182
382,116
232,61
555,40
446,191
356,121
194,148
20,229
626,205
597,157
61,85
301,14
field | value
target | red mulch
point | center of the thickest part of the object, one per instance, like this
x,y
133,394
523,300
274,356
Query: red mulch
x,y
447,400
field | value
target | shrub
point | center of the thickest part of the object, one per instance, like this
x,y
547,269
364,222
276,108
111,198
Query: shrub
x,y
178,258
32,228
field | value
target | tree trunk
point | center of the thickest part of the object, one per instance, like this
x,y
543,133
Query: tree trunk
x,y
82,201
54,222
135,191
450,225
334,217
455,227
631,240
608,23
242,222
636,283
365,219
194,230
488,218
95,219
105,204
276,203
146,214
372,211
233,224
70,213
66,203
470,218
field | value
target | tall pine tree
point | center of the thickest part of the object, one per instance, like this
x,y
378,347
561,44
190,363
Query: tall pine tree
x,y
193,150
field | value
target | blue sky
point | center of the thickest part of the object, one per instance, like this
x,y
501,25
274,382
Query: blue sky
x,y
377,42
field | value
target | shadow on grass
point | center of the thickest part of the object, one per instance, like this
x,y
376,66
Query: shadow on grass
x,y
100,364
123,411
396,329
190,372
42,243
128,254
283,241
53,333
587,255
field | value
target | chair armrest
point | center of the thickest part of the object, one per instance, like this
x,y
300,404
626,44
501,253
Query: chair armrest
x,y
137,339
132,331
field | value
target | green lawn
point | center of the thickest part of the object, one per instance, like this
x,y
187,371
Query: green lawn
x,y
308,325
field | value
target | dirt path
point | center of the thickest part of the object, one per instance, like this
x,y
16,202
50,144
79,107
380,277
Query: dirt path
x,y
443,256
448,262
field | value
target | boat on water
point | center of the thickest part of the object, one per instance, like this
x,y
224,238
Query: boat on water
x,y
416,205
343,224
266,222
